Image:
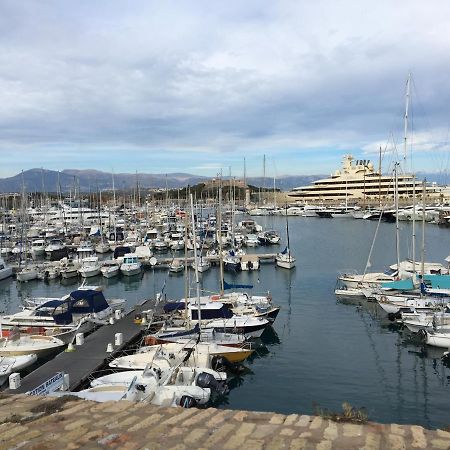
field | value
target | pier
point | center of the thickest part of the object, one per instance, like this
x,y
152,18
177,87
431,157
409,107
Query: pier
x,y
89,357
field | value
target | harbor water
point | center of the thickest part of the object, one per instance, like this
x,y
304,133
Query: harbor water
x,y
321,352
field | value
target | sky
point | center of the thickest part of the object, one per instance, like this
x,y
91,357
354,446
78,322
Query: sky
x,y
200,86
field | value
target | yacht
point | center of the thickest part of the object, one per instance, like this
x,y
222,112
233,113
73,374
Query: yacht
x,y
357,182
131,265
5,271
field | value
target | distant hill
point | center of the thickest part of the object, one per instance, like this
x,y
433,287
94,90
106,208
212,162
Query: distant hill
x,y
36,180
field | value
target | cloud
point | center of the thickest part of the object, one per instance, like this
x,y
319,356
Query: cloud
x,y
216,80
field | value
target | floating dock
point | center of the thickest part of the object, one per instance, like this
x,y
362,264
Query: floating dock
x,y
89,357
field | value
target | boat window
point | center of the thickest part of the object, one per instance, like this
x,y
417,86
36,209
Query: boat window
x,y
61,309
81,303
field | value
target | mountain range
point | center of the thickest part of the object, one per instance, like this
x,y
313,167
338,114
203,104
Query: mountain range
x,y
38,180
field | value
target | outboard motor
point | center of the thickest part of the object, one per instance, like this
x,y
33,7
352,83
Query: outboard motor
x,y
186,401
207,380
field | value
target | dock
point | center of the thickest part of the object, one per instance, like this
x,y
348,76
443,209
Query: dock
x,y
89,357
164,263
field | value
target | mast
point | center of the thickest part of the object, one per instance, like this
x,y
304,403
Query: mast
x,y
414,229
197,281
397,227
219,226
379,179
423,230
405,136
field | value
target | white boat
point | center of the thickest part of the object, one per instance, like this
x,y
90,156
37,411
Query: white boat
x,y
27,273
38,248
68,269
10,364
176,266
90,267
110,269
16,345
167,355
130,265
202,265
438,338
251,240
5,271
56,250
172,387
102,247
87,303
285,259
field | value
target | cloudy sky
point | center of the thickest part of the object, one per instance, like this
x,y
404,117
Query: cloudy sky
x,y
197,86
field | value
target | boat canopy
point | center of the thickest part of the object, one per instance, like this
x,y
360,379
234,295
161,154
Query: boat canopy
x,y
401,285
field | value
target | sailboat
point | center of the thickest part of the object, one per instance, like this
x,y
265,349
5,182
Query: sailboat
x,y
285,259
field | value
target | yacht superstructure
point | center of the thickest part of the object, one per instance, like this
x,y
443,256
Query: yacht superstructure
x,y
358,182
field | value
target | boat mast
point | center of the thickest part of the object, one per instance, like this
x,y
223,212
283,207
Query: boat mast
x,y
379,179
197,281
219,226
414,230
423,230
405,137
397,227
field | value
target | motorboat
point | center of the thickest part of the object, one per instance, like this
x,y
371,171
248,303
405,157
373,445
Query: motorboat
x,y
56,250
68,269
201,265
27,273
269,237
63,313
17,345
5,270
176,266
90,267
10,364
110,269
37,248
194,355
130,265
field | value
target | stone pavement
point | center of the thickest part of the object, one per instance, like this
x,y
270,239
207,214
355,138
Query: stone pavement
x,y
45,423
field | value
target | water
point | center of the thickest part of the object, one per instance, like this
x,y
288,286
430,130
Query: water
x,y
321,352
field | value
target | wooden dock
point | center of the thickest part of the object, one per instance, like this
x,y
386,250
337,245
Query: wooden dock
x,y
89,357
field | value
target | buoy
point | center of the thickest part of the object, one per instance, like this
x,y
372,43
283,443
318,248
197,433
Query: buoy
x,y
70,347
111,320
109,348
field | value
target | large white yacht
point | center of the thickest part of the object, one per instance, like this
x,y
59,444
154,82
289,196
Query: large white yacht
x,y
358,182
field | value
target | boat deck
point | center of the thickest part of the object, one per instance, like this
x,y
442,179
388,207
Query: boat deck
x,y
90,356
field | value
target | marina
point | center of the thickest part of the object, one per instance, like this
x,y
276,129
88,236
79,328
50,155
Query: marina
x,y
328,350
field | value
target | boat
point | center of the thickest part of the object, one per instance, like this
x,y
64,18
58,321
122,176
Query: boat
x,y
174,386
176,266
27,273
17,344
358,182
90,267
68,269
37,248
201,265
56,250
270,237
195,355
102,247
110,269
130,265
11,364
5,270
285,259
62,314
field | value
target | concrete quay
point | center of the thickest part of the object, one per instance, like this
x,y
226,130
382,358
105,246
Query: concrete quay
x,y
47,423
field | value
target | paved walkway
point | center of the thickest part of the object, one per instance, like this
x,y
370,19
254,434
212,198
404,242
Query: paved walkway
x,y
42,423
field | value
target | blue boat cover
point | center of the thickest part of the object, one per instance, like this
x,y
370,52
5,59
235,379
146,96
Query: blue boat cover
x,y
236,286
